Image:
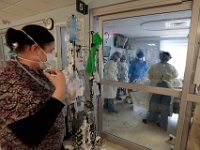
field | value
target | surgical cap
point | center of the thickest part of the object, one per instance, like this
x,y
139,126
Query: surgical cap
x,y
115,56
123,57
165,56
140,54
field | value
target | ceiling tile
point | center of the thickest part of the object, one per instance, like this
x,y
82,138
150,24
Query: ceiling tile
x,y
3,4
12,1
36,5
20,11
60,3
7,16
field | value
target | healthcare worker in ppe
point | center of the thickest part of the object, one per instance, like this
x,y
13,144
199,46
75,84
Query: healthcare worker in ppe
x,y
122,76
31,99
161,75
111,73
123,70
138,67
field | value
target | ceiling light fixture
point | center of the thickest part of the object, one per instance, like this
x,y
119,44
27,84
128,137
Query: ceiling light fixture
x,y
151,44
174,24
169,24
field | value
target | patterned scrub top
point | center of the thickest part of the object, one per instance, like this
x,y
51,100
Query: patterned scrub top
x,y
20,97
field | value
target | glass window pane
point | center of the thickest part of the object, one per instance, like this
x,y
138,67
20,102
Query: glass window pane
x,y
140,40
64,50
154,51
128,117
194,123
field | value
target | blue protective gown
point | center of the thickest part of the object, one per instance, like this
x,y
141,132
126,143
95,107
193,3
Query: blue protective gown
x,y
137,69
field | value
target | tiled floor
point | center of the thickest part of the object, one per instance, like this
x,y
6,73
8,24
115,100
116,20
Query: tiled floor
x,y
106,146
127,124
113,146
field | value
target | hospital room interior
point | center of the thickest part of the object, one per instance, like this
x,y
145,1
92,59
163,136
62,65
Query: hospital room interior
x,y
131,69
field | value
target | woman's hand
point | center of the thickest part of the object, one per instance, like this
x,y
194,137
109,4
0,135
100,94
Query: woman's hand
x,y
57,78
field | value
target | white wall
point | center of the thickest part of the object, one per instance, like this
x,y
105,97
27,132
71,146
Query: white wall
x,y
59,16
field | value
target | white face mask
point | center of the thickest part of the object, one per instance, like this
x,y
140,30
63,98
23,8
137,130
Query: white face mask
x,y
43,65
142,59
47,64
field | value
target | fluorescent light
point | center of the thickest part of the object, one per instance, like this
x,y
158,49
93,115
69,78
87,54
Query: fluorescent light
x,y
151,44
163,25
177,24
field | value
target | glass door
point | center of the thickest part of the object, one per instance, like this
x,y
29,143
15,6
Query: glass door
x,y
142,66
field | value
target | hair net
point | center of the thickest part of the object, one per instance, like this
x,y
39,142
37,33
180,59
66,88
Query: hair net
x,y
140,54
115,56
165,56
123,58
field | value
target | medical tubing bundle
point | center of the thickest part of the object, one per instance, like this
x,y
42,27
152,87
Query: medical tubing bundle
x,y
92,125
72,39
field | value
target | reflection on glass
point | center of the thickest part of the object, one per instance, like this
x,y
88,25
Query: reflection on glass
x,y
153,52
138,67
111,73
131,107
123,70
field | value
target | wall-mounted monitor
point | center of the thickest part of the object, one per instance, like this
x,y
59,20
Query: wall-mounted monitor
x,y
120,40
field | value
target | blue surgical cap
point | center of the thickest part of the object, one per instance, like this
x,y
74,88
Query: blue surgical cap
x,y
140,54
